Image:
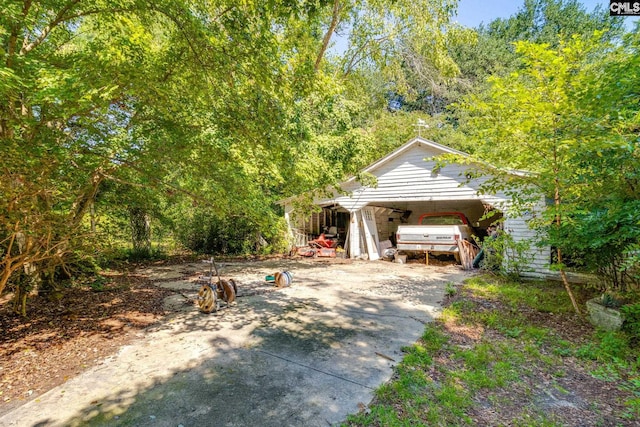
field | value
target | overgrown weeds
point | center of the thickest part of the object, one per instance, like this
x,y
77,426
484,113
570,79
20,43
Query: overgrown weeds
x,y
506,353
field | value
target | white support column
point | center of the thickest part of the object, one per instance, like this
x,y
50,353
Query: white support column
x,y
287,217
354,235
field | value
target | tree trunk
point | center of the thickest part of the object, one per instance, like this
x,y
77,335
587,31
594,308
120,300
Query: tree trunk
x,y
20,301
558,222
85,199
563,275
28,280
92,217
335,20
28,283
140,231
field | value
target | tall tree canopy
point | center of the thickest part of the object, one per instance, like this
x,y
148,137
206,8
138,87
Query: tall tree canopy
x,y
492,50
570,116
175,108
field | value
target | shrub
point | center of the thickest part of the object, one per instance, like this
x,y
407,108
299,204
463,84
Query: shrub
x,y
603,240
238,235
506,255
631,324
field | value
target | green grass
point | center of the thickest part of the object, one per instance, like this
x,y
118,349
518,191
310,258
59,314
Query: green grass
x,y
441,380
546,297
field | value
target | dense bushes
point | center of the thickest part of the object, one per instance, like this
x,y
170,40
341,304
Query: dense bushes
x,y
206,232
602,241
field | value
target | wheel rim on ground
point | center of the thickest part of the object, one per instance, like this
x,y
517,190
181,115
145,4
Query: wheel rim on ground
x,y
228,292
235,286
206,299
283,279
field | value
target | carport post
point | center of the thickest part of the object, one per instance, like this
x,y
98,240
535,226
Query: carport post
x,y
354,235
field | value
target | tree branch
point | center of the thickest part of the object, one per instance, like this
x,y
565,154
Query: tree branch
x,y
335,20
358,57
60,17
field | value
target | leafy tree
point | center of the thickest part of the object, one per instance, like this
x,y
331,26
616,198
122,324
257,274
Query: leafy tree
x,y
378,32
537,21
547,119
152,108
355,81
135,93
604,231
489,50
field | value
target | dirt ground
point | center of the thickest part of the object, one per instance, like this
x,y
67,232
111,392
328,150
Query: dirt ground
x,y
58,340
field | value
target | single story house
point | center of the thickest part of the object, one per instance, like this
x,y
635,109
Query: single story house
x,y
408,185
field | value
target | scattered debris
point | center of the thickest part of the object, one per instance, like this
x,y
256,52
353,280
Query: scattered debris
x,y
384,356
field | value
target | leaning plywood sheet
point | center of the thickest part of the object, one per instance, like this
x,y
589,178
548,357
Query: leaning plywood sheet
x,y
370,233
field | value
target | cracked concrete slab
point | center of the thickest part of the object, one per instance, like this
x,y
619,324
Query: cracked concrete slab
x,y
308,354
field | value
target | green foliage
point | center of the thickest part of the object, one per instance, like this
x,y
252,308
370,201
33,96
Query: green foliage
x,y
380,415
631,325
433,339
453,311
505,255
598,240
607,347
97,285
417,355
206,232
548,21
109,108
492,51
90,99
450,289
547,119
384,35
547,297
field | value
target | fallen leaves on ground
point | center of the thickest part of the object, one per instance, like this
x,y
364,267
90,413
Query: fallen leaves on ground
x,y
57,340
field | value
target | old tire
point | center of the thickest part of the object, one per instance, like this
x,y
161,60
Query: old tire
x,y
235,286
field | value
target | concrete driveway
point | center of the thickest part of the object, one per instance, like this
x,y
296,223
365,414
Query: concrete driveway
x,y
306,355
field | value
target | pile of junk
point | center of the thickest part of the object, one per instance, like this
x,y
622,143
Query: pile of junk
x,y
327,244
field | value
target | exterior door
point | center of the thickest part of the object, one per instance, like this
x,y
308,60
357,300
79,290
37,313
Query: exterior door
x,y
370,232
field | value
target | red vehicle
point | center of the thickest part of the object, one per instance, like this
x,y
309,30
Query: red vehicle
x,y
323,242
322,246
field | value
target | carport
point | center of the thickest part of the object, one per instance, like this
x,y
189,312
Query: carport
x,y
409,182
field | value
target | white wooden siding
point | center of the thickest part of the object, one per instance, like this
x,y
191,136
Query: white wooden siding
x,y
409,178
537,256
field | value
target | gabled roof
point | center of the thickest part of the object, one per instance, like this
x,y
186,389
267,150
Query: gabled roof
x,y
415,142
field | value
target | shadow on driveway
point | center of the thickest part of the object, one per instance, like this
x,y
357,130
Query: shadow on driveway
x,y
307,355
